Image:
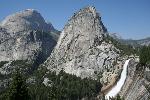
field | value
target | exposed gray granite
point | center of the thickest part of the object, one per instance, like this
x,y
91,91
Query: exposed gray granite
x,y
135,85
26,35
82,50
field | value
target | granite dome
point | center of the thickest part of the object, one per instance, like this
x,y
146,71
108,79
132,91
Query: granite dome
x,y
28,19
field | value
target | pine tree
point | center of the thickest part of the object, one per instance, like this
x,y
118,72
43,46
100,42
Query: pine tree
x,y
18,89
144,55
118,97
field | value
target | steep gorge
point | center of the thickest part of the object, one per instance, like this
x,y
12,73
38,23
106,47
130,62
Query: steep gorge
x,y
83,49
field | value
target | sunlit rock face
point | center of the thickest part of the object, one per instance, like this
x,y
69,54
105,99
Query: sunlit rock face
x,y
82,49
26,35
28,19
135,86
116,89
26,41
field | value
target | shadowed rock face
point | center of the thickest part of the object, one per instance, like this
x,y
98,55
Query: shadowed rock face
x,y
82,50
26,35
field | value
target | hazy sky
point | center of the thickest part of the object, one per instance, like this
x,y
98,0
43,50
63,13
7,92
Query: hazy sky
x,y
129,18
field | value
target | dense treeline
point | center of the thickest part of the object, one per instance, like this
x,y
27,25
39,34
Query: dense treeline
x,y
125,49
118,97
145,55
72,87
67,87
61,87
2,63
17,89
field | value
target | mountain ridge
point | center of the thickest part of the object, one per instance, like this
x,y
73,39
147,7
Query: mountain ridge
x,y
133,42
82,50
25,34
28,19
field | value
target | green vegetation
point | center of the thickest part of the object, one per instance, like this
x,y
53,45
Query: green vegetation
x,y
24,66
2,63
20,63
17,89
118,97
67,87
148,87
125,49
62,87
145,55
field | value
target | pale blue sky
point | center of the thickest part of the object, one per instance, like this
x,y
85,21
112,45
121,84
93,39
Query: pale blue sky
x,y
129,18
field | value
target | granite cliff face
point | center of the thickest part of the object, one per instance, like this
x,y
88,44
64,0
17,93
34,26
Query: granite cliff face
x,y
83,51
26,35
28,19
137,84
26,41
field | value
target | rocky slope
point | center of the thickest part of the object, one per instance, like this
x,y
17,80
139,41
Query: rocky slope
x,y
83,51
26,41
136,85
140,42
135,43
28,19
26,35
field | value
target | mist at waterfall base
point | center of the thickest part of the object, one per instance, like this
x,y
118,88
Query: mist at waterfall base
x,y
115,90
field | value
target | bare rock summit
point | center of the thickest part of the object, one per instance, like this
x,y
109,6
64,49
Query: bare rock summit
x,y
82,50
28,19
26,36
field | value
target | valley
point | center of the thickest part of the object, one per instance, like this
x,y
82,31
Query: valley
x,y
81,62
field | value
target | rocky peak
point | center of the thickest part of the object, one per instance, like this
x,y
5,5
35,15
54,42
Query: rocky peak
x,y
88,9
28,19
82,49
85,23
26,35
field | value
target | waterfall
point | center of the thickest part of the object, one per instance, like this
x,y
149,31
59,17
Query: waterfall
x,y
115,90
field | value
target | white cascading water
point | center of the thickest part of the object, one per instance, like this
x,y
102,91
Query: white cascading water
x,y
115,90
